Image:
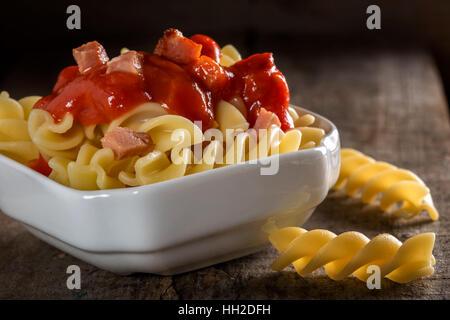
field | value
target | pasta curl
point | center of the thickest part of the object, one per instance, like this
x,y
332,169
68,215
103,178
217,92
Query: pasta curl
x,y
137,116
352,252
230,55
15,142
171,131
360,172
179,147
173,135
311,136
52,138
154,167
93,169
244,144
210,156
250,146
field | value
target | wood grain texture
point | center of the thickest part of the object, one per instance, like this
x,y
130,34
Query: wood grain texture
x,y
387,103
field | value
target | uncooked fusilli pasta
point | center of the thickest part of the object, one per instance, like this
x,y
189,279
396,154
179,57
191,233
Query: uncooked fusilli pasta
x,y
360,172
352,252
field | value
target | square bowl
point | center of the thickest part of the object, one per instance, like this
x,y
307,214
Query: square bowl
x,y
178,225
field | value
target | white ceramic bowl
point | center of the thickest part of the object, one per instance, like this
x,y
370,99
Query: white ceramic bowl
x,y
178,225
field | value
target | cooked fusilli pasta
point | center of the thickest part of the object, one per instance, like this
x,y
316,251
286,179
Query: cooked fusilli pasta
x,y
373,178
230,55
124,50
77,159
93,169
311,136
52,138
243,144
172,134
135,117
352,252
15,142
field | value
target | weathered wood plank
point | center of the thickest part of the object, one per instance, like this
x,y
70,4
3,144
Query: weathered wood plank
x,y
386,103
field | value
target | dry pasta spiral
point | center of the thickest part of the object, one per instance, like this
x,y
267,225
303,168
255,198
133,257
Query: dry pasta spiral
x,y
15,142
352,252
360,172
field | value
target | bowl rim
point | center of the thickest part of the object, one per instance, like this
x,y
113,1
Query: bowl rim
x,y
93,193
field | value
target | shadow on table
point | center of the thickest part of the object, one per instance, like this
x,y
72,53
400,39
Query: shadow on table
x,y
341,213
289,285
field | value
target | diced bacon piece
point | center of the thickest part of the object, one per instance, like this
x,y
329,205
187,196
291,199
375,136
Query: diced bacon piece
x,y
130,62
90,55
125,142
266,119
177,48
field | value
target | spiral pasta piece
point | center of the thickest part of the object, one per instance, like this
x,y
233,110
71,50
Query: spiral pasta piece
x,y
52,138
74,152
373,178
137,116
28,103
15,142
171,131
154,167
301,121
171,134
210,156
229,117
244,144
93,169
230,55
311,136
352,252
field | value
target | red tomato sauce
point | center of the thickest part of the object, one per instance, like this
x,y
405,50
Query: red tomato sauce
x,y
210,48
261,85
191,90
40,165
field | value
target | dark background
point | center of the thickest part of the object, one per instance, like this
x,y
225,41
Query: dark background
x,y
35,43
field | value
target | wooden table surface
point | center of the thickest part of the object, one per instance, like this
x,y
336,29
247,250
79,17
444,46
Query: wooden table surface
x,y
387,103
